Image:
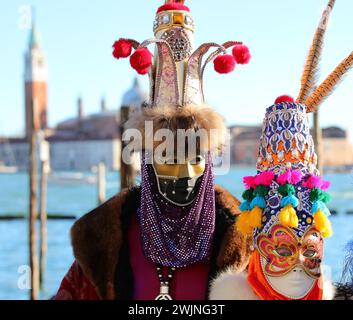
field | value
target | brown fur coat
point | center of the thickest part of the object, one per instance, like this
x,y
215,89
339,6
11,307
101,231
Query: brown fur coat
x,y
100,245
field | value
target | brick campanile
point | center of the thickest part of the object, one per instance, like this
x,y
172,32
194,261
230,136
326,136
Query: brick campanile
x,y
35,78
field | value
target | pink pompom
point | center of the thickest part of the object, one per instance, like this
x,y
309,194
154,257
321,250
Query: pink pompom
x,y
122,49
316,182
325,185
224,63
141,60
313,182
296,177
241,54
284,98
284,177
292,177
264,178
249,182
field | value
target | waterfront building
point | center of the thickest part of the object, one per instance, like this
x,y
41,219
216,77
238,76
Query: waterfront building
x,y
81,142
337,149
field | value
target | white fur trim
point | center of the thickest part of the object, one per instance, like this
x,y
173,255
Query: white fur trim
x,y
328,290
230,285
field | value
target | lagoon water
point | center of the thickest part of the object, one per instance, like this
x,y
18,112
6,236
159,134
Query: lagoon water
x,y
73,197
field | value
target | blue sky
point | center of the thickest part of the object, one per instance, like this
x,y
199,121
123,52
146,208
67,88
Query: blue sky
x,y
77,36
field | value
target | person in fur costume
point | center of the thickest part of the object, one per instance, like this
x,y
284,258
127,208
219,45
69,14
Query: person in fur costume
x,y
285,202
167,238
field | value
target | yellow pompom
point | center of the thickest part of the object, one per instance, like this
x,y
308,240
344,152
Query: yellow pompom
x,y
255,217
243,223
323,224
288,217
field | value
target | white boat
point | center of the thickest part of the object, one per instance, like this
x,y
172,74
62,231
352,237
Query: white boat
x,y
8,169
71,178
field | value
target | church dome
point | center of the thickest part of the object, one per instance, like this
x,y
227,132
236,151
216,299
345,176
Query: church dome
x,y
135,96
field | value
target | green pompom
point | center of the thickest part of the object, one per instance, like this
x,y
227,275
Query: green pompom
x,y
326,198
248,194
286,189
261,191
316,195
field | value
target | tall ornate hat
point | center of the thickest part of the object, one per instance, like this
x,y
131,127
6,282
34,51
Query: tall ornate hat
x,y
285,203
176,70
288,188
177,212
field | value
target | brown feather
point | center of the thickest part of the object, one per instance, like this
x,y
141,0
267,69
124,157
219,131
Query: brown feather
x,y
311,68
328,86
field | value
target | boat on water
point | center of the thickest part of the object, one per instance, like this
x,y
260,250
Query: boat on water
x,y
8,169
72,178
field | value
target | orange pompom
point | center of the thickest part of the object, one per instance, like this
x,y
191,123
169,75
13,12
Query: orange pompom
x,y
255,217
242,223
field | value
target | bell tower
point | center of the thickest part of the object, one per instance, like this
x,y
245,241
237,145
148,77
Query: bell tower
x,y
35,78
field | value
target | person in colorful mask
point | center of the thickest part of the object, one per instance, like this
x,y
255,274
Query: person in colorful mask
x,y
167,238
285,204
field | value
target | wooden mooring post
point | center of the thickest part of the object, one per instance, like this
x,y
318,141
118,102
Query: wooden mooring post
x,y
127,171
33,255
44,160
101,183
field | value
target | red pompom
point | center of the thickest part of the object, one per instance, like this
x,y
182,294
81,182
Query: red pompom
x,y
122,49
241,54
173,6
284,98
141,60
224,63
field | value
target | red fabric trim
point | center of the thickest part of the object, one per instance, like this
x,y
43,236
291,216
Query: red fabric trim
x,y
75,286
261,287
173,6
189,283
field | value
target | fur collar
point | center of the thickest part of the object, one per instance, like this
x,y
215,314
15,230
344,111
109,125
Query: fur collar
x,y
194,117
233,285
97,238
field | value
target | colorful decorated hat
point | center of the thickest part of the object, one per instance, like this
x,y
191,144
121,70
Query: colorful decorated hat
x,y
288,189
176,71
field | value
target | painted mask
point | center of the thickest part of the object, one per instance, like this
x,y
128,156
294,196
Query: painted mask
x,y
179,181
291,265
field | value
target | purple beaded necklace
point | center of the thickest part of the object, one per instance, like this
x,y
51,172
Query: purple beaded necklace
x,y
176,236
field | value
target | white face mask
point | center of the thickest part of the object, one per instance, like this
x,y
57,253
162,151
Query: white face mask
x,y
296,284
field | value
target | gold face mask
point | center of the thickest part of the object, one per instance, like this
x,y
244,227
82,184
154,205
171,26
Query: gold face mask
x,y
173,170
179,182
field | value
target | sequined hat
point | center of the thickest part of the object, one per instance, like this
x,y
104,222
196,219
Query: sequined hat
x,y
176,70
288,189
